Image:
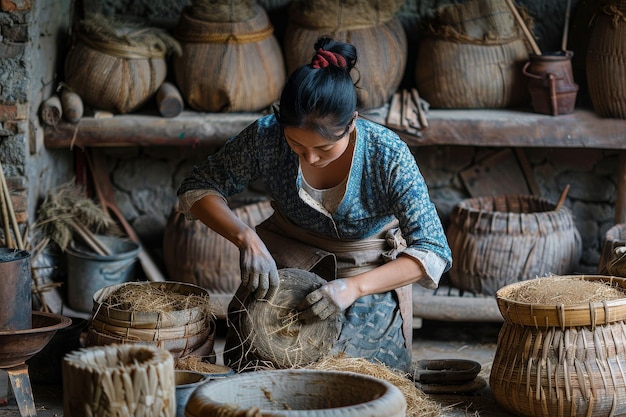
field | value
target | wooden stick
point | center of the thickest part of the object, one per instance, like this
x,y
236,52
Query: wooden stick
x,y
566,25
559,204
527,33
169,100
7,225
9,203
89,238
420,112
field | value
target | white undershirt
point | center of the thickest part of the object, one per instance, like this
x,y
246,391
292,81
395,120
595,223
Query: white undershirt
x,y
329,198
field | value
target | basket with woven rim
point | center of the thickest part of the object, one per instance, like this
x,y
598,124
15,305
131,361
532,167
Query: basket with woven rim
x,y
562,358
499,240
121,380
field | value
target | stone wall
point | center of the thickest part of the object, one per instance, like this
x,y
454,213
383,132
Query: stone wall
x,y
146,179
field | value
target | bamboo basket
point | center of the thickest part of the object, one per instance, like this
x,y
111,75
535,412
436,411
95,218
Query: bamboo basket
x,y
124,381
560,359
471,56
229,66
606,52
195,254
614,237
499,240
371,26
111,74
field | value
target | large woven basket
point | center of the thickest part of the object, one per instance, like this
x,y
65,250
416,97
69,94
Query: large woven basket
x,y
557,359
370,25
229,66
500,240
471,56
614,238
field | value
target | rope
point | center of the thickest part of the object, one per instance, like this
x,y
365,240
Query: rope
x,y
120,50
226,38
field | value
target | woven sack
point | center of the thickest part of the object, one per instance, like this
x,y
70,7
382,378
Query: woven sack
x,y
121,380
228,66
195,254
606,52
613,239
117,66
471,56
561,359
499,240
378,36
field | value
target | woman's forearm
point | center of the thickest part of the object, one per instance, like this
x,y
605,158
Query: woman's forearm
x,y
401,271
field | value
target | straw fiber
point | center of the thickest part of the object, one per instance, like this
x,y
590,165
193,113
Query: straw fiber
x,y
606,54
471,56
614,238
122,381
270,333
195,254
561,359
499,240
117,67
381,45
223,10
229,66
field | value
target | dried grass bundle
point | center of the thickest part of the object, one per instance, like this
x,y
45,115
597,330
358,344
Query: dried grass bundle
x,y
139,297
564,290
418,403
195,363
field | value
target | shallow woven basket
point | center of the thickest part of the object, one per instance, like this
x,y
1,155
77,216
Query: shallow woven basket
x,y
121,380
499,240
561,360
614,237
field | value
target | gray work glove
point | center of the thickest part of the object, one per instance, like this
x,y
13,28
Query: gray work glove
x,y
258,272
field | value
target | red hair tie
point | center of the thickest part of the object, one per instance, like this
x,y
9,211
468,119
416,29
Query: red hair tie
x,y
324,58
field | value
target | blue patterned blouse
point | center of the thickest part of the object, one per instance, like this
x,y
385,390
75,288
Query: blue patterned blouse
x,y
384,183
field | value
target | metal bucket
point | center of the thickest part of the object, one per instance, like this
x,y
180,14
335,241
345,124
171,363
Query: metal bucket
x,y
87,272
186,382
15,296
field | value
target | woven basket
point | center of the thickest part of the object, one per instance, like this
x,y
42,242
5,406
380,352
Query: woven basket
x,y
379,38
195,254
229,66
181,332
606,52
561,360
614,238
123,381
499,240
471,56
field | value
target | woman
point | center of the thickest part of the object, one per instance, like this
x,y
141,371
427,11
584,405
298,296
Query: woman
x,y
344,189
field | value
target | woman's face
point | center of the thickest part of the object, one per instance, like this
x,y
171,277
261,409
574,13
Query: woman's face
x,y
315,150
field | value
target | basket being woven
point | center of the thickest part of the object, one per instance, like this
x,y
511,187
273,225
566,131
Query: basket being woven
x,y
562,359
499,240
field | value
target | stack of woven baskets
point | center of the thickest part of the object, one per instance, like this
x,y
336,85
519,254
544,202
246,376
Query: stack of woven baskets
x,y
174,316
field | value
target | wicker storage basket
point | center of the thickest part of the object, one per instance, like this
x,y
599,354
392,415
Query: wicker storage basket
x,y
614,237
195,254
371,26
228,66
606,52
111,74
181,331
503,239
121,380
293,392
561,359
471,56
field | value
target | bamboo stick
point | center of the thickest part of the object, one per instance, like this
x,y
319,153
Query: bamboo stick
x,y
9,204
89,238
527,33
6,222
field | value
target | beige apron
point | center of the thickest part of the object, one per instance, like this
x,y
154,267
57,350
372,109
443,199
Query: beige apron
x,y
294,247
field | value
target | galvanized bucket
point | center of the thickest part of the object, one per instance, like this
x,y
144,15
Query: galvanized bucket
x,y
87,272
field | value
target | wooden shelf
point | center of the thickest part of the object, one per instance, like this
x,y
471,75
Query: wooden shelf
x,y
498,128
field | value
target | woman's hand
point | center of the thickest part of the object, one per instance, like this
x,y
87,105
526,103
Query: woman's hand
x,y
331,298
258,270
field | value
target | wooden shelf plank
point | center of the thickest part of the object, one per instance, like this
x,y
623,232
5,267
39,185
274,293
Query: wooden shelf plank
x,y
497,128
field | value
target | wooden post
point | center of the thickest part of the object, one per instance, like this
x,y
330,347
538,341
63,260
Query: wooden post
x,y
620,203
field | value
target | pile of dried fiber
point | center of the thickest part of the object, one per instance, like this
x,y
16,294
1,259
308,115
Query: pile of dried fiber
x,y
563,290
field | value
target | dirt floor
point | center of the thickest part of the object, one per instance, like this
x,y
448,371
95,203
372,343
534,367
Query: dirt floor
x,y
433,340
